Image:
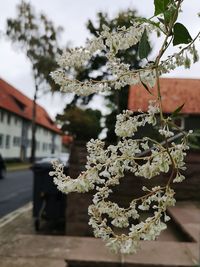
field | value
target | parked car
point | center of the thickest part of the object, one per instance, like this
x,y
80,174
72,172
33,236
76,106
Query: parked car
x,y
63,158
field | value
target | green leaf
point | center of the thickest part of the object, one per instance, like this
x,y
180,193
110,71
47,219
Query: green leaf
x,y
181,35
144,46
170,14
146,88
177,111
160,6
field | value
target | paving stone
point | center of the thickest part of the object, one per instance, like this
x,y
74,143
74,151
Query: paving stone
x,y
28,249
193,230
185,212
169,254
30,262
153,253
80,251
36,246
187,216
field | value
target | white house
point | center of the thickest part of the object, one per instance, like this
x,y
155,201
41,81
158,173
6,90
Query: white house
x,y
15,126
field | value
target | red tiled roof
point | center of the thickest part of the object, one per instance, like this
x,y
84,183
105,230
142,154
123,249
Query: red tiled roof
x,y
67,139
175,92
14,101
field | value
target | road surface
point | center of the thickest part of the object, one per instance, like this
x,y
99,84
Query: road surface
x,y
15,190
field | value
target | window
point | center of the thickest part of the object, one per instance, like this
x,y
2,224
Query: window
x,y
44,146
2,116
38,145
20,104
1,140
16,120
16,141
29,142
8,118
180,122
7,141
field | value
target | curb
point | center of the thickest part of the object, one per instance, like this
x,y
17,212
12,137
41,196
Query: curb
x,y
20,168
14,214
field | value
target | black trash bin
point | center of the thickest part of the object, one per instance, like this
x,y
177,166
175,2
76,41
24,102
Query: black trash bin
x,y
49,203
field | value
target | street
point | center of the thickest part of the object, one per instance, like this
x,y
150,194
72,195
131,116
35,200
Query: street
x,y
15,190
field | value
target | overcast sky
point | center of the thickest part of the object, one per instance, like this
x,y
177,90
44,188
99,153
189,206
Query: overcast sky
x,y
73,15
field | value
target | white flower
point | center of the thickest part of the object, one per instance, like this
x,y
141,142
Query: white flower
x,y
166,132
179,178
148,77
144,157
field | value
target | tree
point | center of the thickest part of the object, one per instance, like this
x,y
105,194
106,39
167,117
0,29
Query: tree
x,y
144,157
96,66
82,124
37,37
117,100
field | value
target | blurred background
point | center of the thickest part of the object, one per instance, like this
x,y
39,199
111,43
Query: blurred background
x,y
39,124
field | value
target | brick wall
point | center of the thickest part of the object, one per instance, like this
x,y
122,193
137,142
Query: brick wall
x,y
129,188
77,204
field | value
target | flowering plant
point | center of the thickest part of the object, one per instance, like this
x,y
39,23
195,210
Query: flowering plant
x,y
144,157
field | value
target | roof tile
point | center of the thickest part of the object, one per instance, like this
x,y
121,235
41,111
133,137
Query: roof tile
x,y
14,101
175,92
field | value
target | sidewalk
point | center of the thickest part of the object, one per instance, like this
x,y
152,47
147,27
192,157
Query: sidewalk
x,y
17,166
21,247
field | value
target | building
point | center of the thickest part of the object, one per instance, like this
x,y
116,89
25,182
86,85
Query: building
x,y
67,141
15,126
175,92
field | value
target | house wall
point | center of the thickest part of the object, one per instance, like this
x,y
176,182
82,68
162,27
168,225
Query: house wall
x,y
10,132
15,138
47,142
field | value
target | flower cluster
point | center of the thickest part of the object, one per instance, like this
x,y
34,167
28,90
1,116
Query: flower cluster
x,y
185,57
124,38
127,124
111,43
107,166
120,217
143,157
